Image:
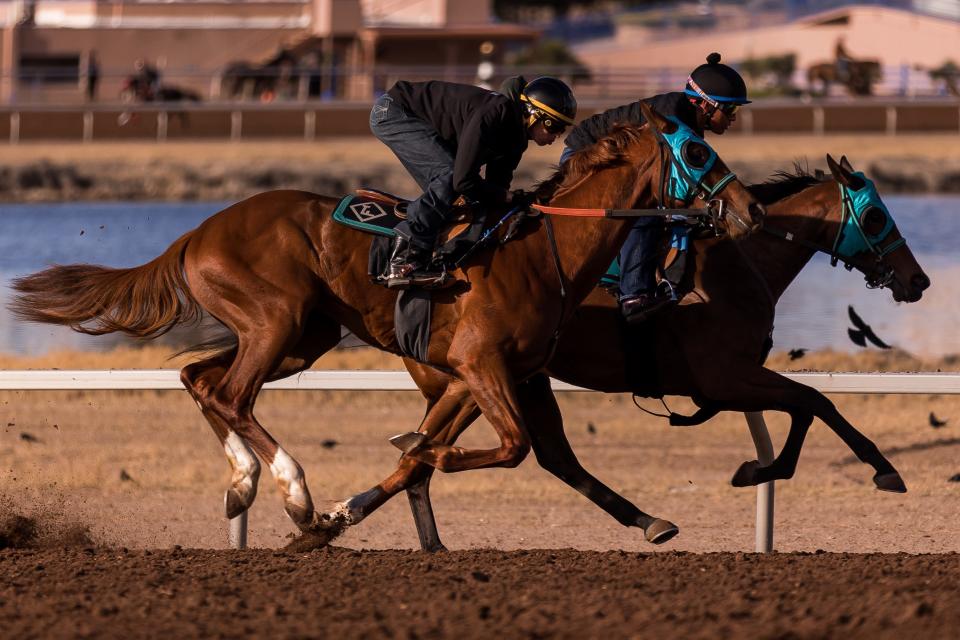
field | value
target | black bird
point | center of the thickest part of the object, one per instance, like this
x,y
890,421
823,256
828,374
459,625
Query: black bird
x,y
28,437
863,332
796,354
935,422
591,429
124,476
954,478
329,444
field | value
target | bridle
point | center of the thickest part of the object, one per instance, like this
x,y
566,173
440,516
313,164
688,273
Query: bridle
x,y
852,239
679,181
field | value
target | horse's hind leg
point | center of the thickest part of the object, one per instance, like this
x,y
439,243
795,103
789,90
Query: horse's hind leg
x,y
200,379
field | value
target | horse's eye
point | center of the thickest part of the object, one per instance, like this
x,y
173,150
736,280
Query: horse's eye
x,y
696,154
873,221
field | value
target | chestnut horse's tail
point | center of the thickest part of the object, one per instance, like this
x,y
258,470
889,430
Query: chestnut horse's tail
x,y
145,301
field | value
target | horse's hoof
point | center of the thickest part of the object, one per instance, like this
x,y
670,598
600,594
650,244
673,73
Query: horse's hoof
x,y
437,548
408,442
746,475
233,504
890,482
299,514
659,531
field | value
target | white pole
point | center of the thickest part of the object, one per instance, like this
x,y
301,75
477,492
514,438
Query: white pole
x,y
761,439
238,531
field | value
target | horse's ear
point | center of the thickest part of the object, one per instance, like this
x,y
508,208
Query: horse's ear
x,y
843,172
655,119
841,176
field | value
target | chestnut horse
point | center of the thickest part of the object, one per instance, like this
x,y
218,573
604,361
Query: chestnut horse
x,y
283,277
736,289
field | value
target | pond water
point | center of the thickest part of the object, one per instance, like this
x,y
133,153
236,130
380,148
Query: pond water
x,y
812,313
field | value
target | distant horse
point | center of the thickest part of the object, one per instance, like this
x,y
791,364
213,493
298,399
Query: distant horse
x,y
136,89
243,80
711,347
859,79
283,277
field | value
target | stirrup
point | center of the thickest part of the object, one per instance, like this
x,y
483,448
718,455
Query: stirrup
x,y
419,280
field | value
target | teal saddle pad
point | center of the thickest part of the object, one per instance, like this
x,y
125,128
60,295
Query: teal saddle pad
x,y
366,214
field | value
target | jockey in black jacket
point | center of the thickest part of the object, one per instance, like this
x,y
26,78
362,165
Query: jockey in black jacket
x,y
709,102
443,133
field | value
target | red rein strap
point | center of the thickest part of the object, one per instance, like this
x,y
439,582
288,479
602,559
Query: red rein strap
x,y
619,213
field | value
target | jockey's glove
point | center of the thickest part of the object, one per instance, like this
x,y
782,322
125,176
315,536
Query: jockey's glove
x,y
521,198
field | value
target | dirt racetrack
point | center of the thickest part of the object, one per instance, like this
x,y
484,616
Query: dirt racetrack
x,y
343,593
118,505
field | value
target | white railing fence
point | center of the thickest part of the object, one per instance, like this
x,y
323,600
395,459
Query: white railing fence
x,y
163,379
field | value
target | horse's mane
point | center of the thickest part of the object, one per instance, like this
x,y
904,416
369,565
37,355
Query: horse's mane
x,y
608,151
784,183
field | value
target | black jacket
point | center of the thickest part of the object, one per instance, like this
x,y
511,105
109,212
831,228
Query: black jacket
x,y
482,127
675,104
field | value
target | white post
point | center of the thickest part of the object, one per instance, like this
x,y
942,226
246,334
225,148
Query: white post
x,y
761,439
238,531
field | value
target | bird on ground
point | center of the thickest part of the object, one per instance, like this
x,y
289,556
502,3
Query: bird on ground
x,y
28,437
796,354
591,429
954,478
329,444
862,332
935,422
124,476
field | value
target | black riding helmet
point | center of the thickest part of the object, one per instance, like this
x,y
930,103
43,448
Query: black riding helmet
x,y
551,101
716,84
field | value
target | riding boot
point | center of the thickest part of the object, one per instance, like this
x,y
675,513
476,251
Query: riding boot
x,y
638,308
410,267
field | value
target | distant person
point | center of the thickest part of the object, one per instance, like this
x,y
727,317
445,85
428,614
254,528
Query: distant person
x,y
842,59
709,102
444,133
149,76
93,76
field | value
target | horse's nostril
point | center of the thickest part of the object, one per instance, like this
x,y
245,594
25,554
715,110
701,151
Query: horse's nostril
x,y
920,281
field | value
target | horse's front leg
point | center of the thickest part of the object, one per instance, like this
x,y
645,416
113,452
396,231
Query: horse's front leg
x,y
491,384
750,473
553,452
446,417
763,389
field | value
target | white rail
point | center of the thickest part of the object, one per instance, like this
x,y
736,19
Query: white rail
x,y
160,379
163,379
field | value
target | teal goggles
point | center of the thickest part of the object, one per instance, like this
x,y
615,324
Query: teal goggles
x,y
691,159
865,224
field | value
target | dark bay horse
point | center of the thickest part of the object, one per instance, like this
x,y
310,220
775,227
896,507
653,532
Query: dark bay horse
x,y
711,347
283,277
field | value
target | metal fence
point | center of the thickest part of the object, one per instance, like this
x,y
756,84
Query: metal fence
x,y
167,379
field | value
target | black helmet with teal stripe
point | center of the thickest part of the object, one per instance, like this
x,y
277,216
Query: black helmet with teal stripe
x,y
550,101
717,84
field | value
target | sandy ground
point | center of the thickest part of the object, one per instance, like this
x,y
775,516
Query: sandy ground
x,y
124,490
66,455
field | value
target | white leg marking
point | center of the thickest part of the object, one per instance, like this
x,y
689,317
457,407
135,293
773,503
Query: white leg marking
x,y
246,467
289,477
353,510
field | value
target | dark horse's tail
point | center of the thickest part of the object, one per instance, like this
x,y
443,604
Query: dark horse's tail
x,y
145,301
